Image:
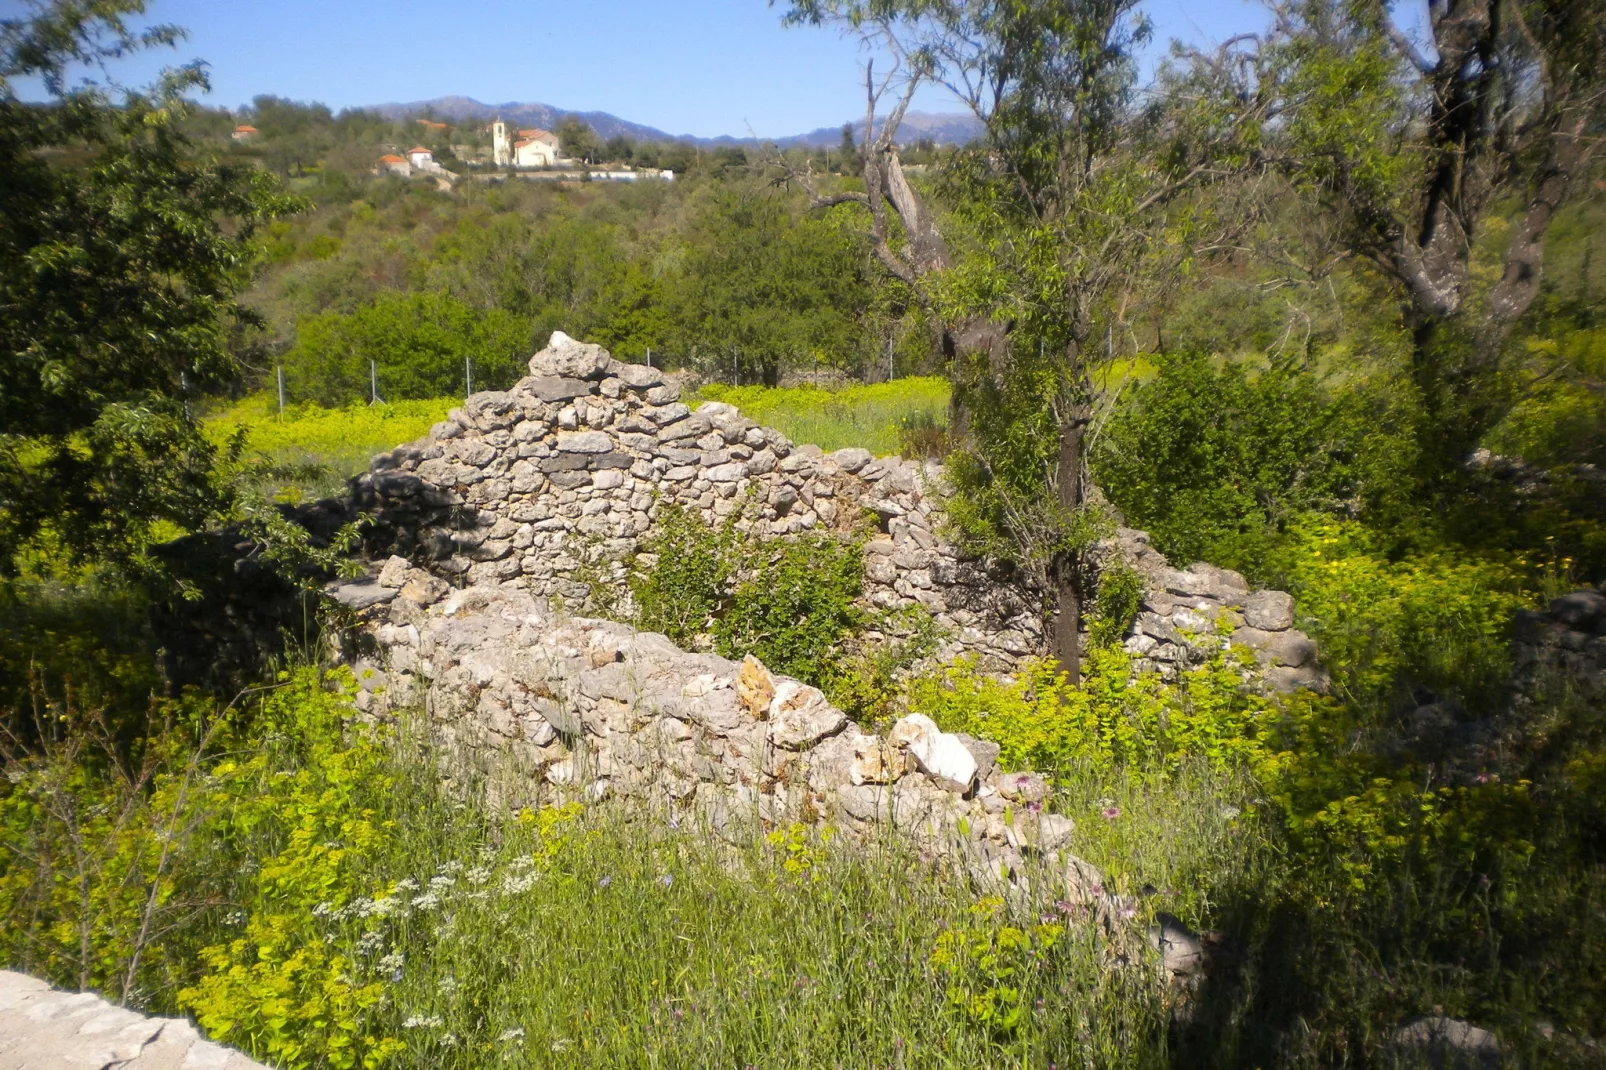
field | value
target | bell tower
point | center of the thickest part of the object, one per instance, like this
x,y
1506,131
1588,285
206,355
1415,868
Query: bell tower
x,y
501,150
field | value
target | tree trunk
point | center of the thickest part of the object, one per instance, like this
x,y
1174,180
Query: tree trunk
x,y
1067,630
965,341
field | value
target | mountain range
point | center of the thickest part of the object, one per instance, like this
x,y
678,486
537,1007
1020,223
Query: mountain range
x,y
944,129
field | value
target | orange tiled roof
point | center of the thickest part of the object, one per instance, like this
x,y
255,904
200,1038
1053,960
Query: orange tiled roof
x,y
391,158
245,130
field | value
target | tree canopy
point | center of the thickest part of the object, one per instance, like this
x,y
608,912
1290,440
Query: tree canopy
x,y
123,251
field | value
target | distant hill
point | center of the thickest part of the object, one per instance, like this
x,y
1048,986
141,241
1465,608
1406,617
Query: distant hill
x,y
944,129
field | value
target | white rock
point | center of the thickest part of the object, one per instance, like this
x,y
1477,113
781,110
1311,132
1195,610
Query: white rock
x,y
941,756
800,716
394,574
584,442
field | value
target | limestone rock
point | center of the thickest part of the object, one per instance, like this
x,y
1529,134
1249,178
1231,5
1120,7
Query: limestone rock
x,y
1181,951
1287,648
852,460
1041,831
43,1029
423,589
1581,610
556,388
565,357
938,754
1271,611
755,687
1450,1043
394,573
584,442
1022,787
639,376
985,751
874,761
799,716
360,594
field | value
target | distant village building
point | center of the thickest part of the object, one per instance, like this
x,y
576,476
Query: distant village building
x,y
393,164
430,124
532,148
244,133
535,148
420,157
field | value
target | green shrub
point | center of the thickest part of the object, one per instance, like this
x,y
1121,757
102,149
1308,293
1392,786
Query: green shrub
x,y
1115,605
790,602
1437,619
1212,459
793,607
314,449
417,341
690,566
1115,718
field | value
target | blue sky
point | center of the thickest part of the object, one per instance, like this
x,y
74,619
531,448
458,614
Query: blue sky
x,y
701,67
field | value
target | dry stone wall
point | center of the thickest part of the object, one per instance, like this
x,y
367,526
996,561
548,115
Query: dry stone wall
x,y
531,704
546,486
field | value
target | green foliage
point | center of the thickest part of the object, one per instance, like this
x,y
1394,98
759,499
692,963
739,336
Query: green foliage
x,y
1436,618
285,986
988,965
311,451
123,249
419,343
686,575
1114,719
1115,605
790,602
794,605
766,290
1214,460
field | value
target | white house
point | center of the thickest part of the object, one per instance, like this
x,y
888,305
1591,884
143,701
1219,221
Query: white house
x,y
531,148
420,157
535,148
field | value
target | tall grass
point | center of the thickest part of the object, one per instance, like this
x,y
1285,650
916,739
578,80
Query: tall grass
x,y
866,416
324,445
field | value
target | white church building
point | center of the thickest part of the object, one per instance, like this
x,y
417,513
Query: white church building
x,y
531,148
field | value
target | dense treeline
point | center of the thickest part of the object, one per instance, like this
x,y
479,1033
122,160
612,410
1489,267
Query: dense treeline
x,y
729,276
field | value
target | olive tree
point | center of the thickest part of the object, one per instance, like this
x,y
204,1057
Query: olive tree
x,y
1438,161
1078,195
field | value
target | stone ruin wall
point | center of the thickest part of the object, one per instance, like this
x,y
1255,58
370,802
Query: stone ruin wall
x,y
540,487
497,513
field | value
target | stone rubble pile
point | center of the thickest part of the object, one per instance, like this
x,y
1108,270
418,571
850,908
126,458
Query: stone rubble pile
x,y
44,1029
531,488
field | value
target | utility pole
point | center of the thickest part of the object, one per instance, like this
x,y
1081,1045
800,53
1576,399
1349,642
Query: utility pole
x,y
649,356
373,383
279,370
468,376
